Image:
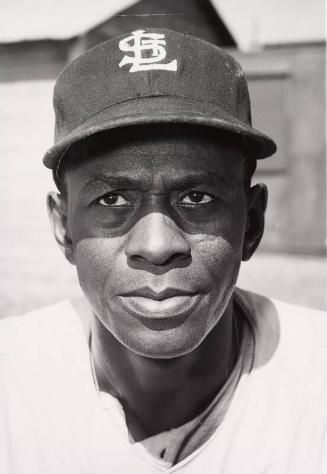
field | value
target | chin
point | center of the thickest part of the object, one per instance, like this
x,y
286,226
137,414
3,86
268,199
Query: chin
x,y
166,344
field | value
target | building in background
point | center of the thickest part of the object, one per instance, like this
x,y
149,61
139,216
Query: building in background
x,y
197,17
287,89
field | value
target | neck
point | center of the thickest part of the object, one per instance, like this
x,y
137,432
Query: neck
x,y
144,385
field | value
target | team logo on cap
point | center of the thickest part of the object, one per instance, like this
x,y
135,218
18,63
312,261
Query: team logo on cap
x,y
148,52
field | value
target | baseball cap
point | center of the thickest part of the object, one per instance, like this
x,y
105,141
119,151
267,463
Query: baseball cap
x,y
152,76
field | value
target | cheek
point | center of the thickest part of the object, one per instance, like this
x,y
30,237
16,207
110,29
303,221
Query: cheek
x,y
221,248
220,263
96,259
219,258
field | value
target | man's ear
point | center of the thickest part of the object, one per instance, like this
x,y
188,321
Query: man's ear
x,y
57,211
257,204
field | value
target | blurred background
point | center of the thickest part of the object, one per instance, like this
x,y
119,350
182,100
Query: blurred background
x,y
281,46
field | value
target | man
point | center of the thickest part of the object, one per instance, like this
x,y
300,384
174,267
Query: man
x,y
164,365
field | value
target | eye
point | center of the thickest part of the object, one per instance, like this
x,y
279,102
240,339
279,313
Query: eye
x,y
113,200
197,197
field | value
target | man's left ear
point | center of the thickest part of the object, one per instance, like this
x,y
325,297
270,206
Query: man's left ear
x,y
257,204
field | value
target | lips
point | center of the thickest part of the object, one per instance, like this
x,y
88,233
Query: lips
x,y
147,292
168,303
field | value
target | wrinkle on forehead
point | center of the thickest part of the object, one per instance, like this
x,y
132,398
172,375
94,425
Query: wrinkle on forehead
x,y
157,182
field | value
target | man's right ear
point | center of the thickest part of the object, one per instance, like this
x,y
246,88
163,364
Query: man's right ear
x,y
58,215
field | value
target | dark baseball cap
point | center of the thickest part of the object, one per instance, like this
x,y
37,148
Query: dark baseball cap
x,y
152,76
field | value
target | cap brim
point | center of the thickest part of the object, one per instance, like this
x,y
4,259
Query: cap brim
x,y
152,110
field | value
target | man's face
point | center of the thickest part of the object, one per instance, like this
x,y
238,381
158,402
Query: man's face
x,y
157,227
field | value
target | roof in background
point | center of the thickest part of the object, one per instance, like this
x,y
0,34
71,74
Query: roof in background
x,y
253,22
197,17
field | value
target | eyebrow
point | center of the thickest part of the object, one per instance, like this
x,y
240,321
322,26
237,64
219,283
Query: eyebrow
x,y
129,182
112,181
211,179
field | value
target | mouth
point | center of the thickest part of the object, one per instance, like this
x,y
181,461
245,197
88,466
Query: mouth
x,y
167,304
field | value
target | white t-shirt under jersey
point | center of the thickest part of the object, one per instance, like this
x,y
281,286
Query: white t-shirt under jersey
x,y
52,420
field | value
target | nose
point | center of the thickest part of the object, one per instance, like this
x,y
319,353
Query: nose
x,y
157,240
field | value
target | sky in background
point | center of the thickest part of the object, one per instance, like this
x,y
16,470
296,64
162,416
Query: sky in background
x,y
252,22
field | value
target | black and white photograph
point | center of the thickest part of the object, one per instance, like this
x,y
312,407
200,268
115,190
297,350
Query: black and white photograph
x,y
163,249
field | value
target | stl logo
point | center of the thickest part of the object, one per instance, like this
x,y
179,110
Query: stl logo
x,y
154,43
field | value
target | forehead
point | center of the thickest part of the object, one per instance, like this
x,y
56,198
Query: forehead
x,y
157,153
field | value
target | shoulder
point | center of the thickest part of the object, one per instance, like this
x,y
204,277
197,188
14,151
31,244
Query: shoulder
x,y
17,331
41,352
288,338
40,334
289,320
287,386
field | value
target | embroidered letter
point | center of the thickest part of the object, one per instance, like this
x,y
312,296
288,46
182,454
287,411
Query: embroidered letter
x,y
139,43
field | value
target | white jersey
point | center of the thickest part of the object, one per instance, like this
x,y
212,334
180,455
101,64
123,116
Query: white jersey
x,y
53,422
